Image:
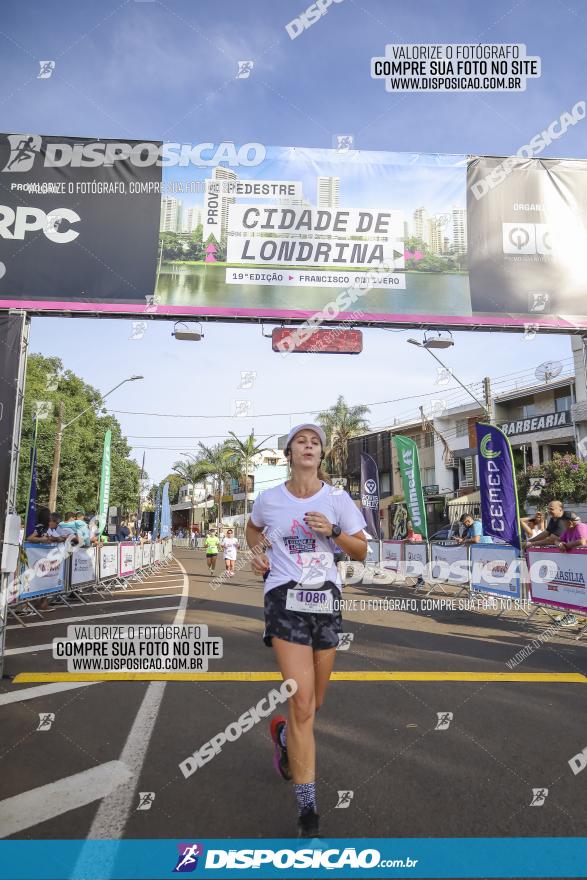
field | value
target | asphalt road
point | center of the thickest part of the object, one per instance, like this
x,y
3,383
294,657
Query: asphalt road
x,y
378,739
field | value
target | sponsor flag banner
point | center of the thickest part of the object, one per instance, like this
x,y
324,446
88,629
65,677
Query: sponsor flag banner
x,y
558,578
157,514
165,513
409,465
401,238
105,482
370,495
497,484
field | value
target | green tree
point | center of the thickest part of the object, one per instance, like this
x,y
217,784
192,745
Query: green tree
x,y
565,479
48,383
244,451
340,423
213,462
175,483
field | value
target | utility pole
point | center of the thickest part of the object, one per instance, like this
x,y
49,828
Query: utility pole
x,y
56,459
140,507
489,406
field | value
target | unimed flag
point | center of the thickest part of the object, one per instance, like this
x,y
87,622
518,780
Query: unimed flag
x,y
497,483
370,495
409,465
105,482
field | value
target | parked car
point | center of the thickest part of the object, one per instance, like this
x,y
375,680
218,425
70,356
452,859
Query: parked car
x,y
446,534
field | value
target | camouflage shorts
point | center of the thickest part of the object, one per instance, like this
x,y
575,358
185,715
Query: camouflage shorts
x,y
320,631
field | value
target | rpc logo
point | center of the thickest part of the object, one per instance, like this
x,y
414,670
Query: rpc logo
x,y
25,147
25,220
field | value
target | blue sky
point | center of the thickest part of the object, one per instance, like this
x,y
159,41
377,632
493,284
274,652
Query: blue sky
x,y
167,70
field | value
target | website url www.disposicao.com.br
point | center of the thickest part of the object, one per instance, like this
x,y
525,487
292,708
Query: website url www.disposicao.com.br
x,y
329,859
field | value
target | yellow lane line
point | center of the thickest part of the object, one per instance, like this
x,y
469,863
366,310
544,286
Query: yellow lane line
x,y
557,677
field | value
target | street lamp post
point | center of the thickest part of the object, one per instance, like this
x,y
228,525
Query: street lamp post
x,y
429,344
61,428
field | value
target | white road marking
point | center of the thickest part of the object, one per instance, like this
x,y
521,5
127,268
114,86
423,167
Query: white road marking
x,y
41,690
112,815
56,620
29,649
47,801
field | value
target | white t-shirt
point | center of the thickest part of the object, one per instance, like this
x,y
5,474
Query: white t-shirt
x,y
229,545
297,553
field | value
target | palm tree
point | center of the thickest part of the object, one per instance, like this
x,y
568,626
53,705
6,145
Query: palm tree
x,y
219,463
244,452
340,423
188,471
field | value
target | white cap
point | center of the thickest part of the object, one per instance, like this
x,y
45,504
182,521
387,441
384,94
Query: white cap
x,y
309,427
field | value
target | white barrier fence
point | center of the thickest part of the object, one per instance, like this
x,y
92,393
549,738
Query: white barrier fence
x,y
543,576
52,570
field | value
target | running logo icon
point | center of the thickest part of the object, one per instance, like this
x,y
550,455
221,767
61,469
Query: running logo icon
x,y
47,68
187,861
444,719
539,795
23,149
146,799
46,720
344,800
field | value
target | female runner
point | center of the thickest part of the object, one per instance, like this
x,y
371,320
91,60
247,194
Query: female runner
x,y
302,518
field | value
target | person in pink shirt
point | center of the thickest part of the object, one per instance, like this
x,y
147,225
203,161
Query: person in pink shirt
x,y
575,534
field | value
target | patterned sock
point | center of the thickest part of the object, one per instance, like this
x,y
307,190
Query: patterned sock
x,y
282,736
305,795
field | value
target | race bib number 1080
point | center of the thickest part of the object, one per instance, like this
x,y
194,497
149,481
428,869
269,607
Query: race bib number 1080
x,y
310,601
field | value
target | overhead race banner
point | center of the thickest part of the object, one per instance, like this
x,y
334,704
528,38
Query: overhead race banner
x,y
256,232
497,485
409,465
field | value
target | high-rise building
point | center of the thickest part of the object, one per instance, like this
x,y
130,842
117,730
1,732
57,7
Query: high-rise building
x,y
193,218
422,225
436,240
328,191
223,173
459,230
170,214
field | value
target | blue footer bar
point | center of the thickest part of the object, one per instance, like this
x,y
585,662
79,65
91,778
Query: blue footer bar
x,y
381,857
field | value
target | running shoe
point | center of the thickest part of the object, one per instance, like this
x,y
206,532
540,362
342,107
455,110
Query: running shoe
x,y
568,620
280,759
309,823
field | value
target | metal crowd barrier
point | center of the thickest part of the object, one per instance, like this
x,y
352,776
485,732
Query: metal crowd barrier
x,y
48,571
563,591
